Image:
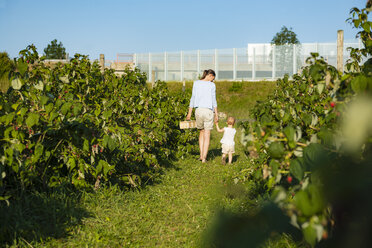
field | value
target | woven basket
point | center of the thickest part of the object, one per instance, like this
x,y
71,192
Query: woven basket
x,y
187,124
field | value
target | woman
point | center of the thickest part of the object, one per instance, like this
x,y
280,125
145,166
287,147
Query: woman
x,y
204,100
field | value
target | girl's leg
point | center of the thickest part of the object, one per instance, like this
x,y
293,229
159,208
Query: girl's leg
x,y
207,135
224,158
201,143
230,157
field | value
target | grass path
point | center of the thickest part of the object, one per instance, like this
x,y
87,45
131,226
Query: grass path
x,y
172,213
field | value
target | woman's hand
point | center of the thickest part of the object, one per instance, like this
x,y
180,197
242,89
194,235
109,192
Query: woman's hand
x,y
215,118
188,117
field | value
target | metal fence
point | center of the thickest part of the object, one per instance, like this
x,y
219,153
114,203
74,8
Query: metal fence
x,y
255,62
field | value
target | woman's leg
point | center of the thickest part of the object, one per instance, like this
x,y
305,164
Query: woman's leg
x,y
207,135
201,143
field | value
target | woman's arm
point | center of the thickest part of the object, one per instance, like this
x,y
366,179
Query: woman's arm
x,y
188,117
215,115
192,103
214,103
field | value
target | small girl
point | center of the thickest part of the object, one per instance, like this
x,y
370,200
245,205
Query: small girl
x,y
228,144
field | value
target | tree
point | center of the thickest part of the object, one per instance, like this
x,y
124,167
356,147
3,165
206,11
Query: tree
x,y
286,43
55,51
369,4
285,36
6,65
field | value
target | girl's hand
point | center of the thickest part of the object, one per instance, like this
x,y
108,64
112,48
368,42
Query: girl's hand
x,y
215,118
188,117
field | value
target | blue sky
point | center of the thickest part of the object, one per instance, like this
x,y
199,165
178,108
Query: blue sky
x,y
92,27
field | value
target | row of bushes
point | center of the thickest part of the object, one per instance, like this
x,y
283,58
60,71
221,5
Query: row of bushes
x,y
75,125
310,146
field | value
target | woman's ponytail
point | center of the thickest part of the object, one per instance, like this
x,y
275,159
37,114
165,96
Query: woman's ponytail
x,y
207,72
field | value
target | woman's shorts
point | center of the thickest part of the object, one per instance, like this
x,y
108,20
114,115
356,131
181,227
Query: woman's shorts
x,y
204,118
227,149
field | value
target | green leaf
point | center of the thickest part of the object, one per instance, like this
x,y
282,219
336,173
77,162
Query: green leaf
x,y
44,100
274,166
100,166
266,120
66,107
312,154
316,72
15,106
276,150
320,87
359,83
71,164
86,145
307,118
39,148
286,117
289,133
49,108
53,115
357,22
296,169
109,142
107,114
106,168
22,67
77,109
22,112
32,120
310,201
9,118
366,27
326,137
310,234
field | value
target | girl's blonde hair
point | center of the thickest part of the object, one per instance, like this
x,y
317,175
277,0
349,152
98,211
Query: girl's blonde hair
x,y
231,120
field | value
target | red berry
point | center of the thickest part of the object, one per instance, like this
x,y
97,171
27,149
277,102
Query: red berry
x,y
289,179
333,104
59,97
66,91
101,150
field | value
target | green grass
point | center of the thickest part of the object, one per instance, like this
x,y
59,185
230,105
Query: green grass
x,y
176,211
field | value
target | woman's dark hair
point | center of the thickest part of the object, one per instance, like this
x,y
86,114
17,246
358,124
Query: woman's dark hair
x,y
207,72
